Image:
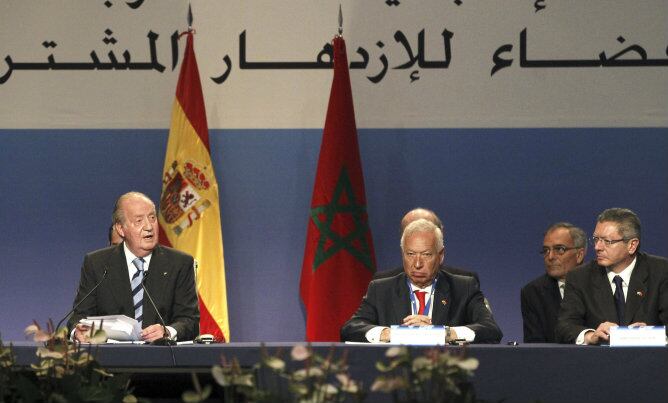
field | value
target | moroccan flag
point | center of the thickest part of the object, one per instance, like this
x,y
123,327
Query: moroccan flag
x,y
189,213
339,260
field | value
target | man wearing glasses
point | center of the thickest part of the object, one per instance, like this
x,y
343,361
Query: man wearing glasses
x,y
423,295
564,247
621,287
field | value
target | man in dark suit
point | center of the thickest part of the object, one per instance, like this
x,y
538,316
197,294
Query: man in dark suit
x,y
621,287
428,215
171,283
564,247
423,295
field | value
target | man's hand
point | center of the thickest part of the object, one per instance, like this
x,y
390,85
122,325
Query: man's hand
x,y
602,333
417,320
385,335
152,333
638,324
82,333
451,335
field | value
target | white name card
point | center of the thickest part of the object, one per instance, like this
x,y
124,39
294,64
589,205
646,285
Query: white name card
x,y
418,335
638,336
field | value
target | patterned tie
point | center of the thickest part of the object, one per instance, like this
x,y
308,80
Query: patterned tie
x,y
619,299
420,296
137,289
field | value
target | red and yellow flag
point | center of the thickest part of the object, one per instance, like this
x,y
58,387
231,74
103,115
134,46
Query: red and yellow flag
x,y
339,259
189,211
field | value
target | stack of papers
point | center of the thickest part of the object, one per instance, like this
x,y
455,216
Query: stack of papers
x,y
117,327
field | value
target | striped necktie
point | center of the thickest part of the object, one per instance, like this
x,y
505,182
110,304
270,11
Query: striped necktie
x,y
137,289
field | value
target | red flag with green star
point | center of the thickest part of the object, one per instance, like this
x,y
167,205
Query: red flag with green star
x,y
339,259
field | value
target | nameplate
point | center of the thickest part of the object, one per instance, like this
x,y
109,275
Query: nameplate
x,y
637,336
418,335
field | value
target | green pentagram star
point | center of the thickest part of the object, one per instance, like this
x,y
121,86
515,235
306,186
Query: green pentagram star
x,y
338,242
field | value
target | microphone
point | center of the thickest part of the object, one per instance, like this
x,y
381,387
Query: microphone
x,y
104,275
165,340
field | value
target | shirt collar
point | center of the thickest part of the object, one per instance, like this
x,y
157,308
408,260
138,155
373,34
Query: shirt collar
x,y
624,274
129,257
426,289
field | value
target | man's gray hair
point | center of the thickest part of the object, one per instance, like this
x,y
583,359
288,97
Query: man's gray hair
x,y
422,225
117,215
577,234
628,223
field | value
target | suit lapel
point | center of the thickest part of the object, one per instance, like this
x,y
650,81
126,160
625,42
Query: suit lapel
x,y
401,303
603,293
439,314
637,290
157,280
551,289
119,280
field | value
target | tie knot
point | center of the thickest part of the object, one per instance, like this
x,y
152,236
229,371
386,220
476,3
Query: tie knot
x,y
139,264
618,281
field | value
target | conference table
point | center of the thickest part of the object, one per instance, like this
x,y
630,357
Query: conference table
x,y
512,373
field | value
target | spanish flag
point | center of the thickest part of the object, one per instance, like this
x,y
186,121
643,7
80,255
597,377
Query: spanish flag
x,y
189,211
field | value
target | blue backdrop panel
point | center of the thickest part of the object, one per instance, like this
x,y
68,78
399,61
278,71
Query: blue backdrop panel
x,y
496,190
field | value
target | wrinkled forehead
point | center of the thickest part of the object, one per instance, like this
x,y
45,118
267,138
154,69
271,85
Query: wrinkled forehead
x,y
607,228
558,236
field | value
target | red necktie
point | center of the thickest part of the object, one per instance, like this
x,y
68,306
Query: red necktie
x,y
420,296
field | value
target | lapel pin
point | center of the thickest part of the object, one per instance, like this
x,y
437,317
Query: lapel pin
x,y
164,273
444,301
640,294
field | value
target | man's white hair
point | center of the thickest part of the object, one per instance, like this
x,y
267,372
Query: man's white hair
x,y
422,225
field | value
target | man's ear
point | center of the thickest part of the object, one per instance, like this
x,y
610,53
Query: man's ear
x,y
633,245
119,229
580,255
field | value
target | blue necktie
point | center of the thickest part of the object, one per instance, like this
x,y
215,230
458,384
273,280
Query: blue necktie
x,y
137,289
619,299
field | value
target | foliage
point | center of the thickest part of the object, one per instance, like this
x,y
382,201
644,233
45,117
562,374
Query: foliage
x,y
65,372
436,376
309,378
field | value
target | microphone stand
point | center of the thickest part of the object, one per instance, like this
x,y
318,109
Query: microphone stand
x,y
78,304
164,340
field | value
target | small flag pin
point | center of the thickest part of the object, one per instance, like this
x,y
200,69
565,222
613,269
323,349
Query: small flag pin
x,y
640,294
444,301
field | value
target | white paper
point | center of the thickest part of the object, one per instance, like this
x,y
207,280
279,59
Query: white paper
x,y
117,327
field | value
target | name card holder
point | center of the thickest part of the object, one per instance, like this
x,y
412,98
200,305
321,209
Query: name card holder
x,y
623,336
418,335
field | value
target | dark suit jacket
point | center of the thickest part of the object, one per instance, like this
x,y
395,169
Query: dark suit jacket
x,y
169,280
387,302
540,309
449,269
588,300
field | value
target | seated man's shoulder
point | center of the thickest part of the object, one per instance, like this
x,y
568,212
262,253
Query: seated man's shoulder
x,y
459,271
104,253
539,282
655,261
388,273
171,252
388,281
459,280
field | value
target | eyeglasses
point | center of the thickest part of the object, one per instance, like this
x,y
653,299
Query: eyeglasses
x,y
558,250
606,242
